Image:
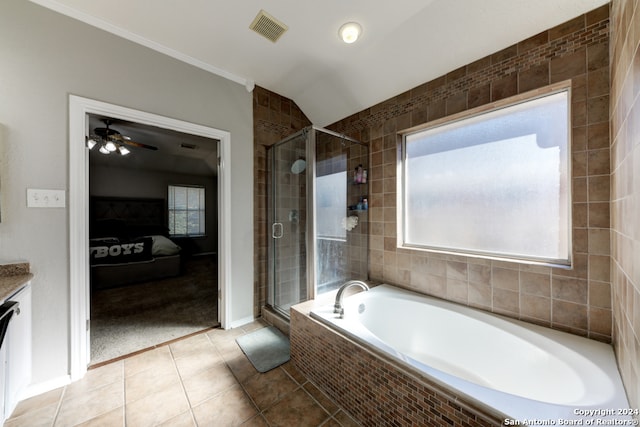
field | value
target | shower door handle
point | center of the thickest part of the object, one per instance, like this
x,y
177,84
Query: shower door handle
x,y
276,230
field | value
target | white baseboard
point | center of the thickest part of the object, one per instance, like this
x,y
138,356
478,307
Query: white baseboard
x,y
241,322
43,387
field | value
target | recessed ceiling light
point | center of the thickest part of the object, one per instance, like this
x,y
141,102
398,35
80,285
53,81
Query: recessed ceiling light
x,y
350,32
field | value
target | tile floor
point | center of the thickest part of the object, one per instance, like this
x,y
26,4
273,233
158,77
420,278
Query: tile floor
x,y
203,380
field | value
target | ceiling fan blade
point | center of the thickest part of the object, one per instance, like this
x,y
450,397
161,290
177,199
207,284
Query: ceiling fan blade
x,y
127,141
105,132
139,144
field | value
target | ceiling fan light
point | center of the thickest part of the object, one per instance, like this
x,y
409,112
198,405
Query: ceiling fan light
x,y
91,143
350,32
110,146
123,150
104,150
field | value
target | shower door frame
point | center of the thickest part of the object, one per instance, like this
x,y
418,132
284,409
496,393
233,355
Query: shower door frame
x,y
311,211
310,238
309,135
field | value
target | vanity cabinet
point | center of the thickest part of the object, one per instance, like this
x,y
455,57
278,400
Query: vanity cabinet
x,y
15,353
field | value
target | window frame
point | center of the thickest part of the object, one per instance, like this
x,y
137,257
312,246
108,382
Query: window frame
x,y
564,86
202,209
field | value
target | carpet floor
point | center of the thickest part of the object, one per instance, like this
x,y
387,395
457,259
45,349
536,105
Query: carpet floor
x,y
128,319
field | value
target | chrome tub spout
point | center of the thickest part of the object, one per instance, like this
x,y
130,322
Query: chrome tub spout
x,y
337,307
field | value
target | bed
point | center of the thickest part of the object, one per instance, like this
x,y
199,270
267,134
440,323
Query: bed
x,y
129,242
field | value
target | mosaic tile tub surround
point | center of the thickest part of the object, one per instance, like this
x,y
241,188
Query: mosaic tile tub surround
x,y
370,387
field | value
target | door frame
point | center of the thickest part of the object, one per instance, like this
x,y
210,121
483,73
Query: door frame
x,y
79,107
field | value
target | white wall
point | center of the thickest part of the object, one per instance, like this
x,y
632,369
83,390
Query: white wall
x,y
44,57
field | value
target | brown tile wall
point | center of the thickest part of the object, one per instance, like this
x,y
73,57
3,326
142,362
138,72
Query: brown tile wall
x,y
375,391
576,300
274,118
625,191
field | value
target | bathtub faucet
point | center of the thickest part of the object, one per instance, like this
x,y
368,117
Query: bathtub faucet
x,y
337,307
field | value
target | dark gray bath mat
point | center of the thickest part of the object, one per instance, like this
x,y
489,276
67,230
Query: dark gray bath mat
x,y
266,348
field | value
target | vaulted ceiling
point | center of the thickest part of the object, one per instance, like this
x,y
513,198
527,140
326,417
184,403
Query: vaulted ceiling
x,y
404,43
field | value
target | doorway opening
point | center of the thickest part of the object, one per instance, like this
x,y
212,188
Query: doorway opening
x,y
81,112
152,236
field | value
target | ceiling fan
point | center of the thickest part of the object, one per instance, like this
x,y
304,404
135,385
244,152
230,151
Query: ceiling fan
x,y
110,140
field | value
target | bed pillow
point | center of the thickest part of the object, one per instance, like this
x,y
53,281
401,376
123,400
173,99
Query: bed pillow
x,y
162,246
114,251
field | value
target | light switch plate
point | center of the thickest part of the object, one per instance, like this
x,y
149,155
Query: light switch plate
x,y
38,198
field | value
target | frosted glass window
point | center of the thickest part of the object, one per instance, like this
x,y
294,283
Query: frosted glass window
x,y
331,205
186,207
493,184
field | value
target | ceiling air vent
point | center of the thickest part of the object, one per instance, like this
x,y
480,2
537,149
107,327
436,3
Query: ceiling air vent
x,y
188,146
268,26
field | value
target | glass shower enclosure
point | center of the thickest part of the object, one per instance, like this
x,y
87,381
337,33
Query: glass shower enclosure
x,y
318,215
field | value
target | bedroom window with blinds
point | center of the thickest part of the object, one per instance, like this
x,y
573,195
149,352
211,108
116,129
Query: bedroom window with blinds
x,y
492,184
186,210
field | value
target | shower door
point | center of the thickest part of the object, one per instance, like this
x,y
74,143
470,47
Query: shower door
x,y
287,205
341,210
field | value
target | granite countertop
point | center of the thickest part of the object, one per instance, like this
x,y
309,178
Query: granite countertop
x,y
12,278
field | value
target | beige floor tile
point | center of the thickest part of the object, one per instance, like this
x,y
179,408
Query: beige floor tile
x,y
138,386
114,418
215,334
321,398
196,363
218,335
229,408
200,381
148,359
297,408
45,400
228,349
34,417
182,420
254,326
294,373
96,378
196,344
267,388
345,419
83,407
331,422
208,383
257,421
157,407
241,368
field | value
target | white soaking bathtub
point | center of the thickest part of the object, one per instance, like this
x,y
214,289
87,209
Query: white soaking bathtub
x,y
532,374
